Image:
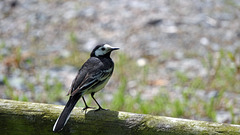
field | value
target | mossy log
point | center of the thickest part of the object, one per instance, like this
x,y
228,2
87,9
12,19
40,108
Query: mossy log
x,y
36,118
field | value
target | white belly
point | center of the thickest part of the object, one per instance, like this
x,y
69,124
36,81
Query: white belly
x,y
96,89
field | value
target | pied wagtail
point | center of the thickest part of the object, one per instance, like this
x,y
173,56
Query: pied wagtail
x,y
92,77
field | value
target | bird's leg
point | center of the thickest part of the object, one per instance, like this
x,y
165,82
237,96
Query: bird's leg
x,y
86,106
99,107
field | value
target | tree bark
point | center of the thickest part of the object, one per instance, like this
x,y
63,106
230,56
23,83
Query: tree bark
x,y
36,118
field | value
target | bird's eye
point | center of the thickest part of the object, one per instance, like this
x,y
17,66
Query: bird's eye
x,y
103,49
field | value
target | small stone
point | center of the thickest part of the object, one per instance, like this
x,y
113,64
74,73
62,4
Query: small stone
x,y
212,94
223,117
204,41
17,82
141,62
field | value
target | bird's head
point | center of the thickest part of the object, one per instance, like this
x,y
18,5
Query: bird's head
x,y
103,50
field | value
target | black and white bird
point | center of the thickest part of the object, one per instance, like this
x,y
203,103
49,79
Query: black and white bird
x,y
92,77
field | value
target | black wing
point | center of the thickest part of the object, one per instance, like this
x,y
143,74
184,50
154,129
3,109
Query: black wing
x,y
91,73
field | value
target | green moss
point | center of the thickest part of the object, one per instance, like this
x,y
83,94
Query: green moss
x,y
31,118
124,116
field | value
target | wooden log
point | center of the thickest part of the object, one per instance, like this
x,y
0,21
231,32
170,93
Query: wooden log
x,y
36,118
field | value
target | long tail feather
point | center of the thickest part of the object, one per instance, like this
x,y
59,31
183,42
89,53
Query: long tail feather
x,y
64,116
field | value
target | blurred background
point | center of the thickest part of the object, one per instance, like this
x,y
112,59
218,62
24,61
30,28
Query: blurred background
x,y
177,58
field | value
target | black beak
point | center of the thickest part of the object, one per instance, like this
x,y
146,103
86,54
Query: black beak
x,y
115,48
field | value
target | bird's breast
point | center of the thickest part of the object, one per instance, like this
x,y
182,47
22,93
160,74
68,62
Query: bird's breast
x,y
97,87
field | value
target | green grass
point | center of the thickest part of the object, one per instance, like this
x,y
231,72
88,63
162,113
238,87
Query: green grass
x,y
223,70
9,92
119,98
2,46
223,79
210,109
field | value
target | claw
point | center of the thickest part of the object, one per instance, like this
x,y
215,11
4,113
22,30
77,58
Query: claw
x,y
100,108
86,107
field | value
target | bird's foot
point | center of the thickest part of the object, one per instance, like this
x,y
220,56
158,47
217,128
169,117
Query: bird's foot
x,y
100,108
86,107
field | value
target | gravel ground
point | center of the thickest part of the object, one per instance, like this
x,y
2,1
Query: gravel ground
x,y
142,29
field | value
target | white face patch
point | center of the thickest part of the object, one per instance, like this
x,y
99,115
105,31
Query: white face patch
x,y
103,50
